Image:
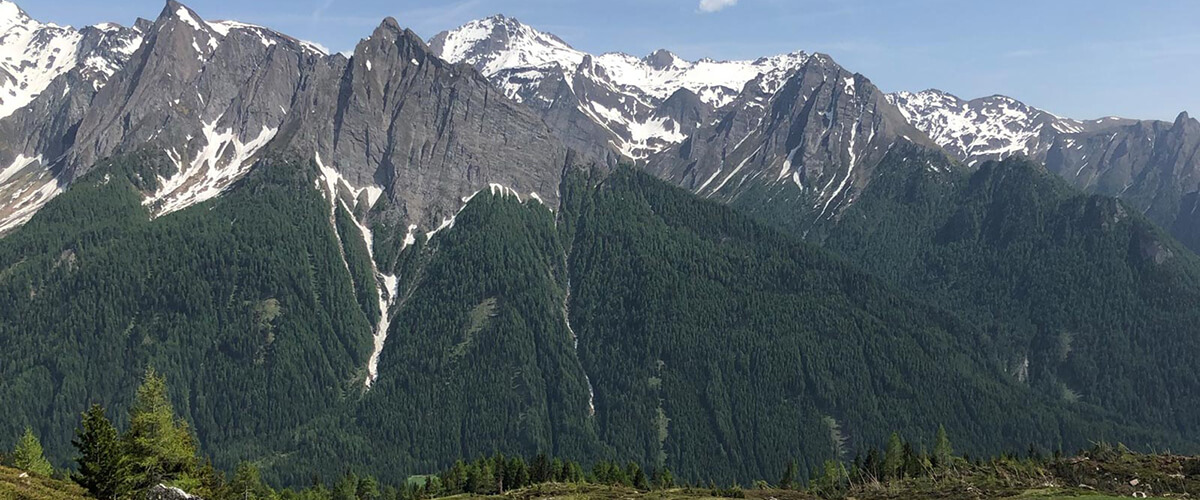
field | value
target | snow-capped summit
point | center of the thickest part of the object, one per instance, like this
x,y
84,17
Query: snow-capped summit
x,y
987,128
32,54
619,92
498,42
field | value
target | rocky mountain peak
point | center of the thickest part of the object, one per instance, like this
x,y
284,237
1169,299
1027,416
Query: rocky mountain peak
x,y
607,99
810,141
663,59
11,14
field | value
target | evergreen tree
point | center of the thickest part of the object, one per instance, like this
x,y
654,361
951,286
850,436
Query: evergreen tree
x,y
433,487
789,476
912,462
833,479
346,488
539,471
101,459
247,484
28,455
368,488
664,479
872,466
942,451
518,473
893,457
637,477
159,446
574,472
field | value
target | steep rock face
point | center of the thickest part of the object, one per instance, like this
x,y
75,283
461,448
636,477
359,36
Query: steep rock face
x,y
49,76
1151,165
207,98
812,143
210,98
614,100
427,132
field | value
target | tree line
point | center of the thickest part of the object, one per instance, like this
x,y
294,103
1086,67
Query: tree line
x,y
158,448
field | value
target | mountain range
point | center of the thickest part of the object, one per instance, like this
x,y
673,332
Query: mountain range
x,y
491,241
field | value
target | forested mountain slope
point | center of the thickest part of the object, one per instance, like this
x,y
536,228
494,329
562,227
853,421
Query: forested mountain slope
x,y
637,321
697,329
737,339
1083,297
1152,165
245,302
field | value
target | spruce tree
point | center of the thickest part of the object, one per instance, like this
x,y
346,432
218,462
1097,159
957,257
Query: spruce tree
x,y
637,477
28,455
101,460
539,470
789,476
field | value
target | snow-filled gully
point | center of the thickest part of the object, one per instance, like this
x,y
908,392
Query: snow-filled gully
x,y
386,286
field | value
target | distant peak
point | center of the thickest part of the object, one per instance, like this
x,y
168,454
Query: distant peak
x,y
662,59
11,14
180,12
389,24
1183,117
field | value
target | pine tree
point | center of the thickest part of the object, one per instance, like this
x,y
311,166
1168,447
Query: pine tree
x,y
893,457
101,460
789,476
159,446
942,452
28,455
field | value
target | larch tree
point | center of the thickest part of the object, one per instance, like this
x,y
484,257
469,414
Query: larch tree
x,y
28,455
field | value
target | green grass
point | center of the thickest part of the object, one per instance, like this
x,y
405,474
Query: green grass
x,y
572,491
15,487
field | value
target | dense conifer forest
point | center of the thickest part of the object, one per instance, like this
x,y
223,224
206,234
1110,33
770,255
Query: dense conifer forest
x,y
632,323
156,457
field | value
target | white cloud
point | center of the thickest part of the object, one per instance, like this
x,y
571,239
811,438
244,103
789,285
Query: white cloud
x,y
716,5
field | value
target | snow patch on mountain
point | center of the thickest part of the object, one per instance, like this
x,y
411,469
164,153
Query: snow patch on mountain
x,y
222,159
25,187
498,43
987,128
32,55
618,91
386,285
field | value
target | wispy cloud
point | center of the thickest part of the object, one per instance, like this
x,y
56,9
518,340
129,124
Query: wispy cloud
x,y
448,15
1022,53
319,12
716,5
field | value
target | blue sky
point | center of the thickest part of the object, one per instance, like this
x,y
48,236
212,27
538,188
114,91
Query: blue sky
x,y
1077,58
